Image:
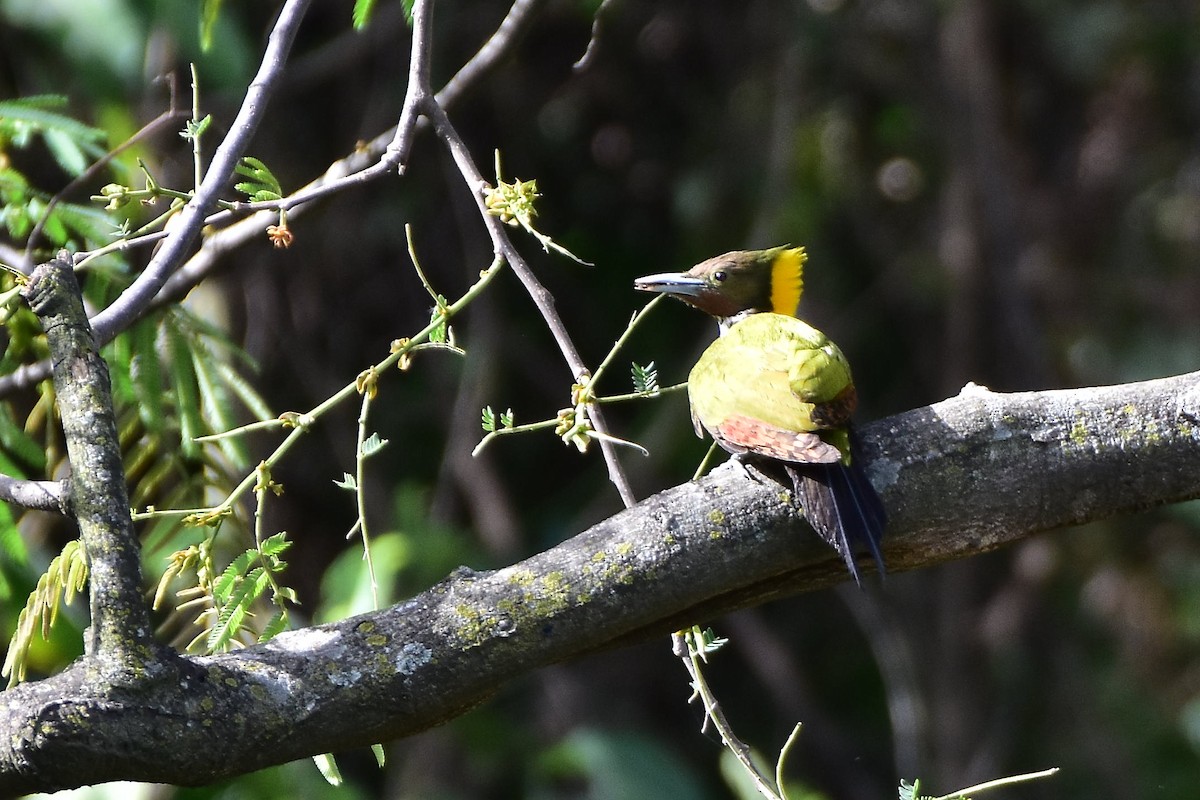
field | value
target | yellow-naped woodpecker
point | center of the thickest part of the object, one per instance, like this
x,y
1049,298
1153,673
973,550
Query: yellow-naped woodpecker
x,y
775,387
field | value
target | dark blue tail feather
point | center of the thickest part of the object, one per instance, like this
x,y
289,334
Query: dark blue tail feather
x,y
843,508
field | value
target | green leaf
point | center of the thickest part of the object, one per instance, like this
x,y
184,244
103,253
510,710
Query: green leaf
x,y
276,625
362,13
145,373
441,333
187,392
347,482
209,11
92,225
275,545
224,585
231,618
711,642
263,185
54,228
372,445
244,391
328,768
217,409
66,151
32,114
489,419
645,379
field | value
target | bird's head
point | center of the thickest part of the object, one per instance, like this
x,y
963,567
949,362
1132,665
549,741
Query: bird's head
x,y
737,283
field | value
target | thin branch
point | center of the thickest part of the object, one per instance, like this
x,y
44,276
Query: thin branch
x,y
134,301
419,90
689,647
38,495
542,298
356,169
169,117
514,25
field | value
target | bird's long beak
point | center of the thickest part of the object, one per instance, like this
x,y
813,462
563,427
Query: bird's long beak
x,y
676,283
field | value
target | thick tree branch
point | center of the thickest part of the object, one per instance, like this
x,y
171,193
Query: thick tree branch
x,y
122,637
960,477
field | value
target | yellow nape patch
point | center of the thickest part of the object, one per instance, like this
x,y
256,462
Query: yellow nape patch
x,y
787,280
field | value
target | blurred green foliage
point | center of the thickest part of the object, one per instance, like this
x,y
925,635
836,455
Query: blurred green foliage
x,y
1003,193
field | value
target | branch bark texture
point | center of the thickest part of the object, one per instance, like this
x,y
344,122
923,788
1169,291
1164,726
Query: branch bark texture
x,y
121,633
959,477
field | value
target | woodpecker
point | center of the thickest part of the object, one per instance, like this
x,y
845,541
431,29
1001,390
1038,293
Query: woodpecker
x,y
774,387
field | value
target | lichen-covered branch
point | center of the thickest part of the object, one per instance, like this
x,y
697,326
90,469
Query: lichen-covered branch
x,y
120,633
959,477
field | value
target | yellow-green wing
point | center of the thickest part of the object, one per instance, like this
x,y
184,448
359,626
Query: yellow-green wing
x,y
768,385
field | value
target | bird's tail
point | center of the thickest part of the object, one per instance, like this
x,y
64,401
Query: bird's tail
x,y
843,508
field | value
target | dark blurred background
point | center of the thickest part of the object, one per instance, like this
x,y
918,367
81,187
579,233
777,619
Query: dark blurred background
x,y
1005,193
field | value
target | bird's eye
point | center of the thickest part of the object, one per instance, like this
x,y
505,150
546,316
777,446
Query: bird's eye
x,y
720,275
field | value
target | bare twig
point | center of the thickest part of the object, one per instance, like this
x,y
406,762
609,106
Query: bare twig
x,y
689,647
169,117
421,101
135,300
594,41
38,495
542,298
356,169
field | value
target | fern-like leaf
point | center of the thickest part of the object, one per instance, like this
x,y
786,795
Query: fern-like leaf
x,y
372,445
65,577
231,618
72,143
275,626
187,391
362,13
275,545
645,379
262,184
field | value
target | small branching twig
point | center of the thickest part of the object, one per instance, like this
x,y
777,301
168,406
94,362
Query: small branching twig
x,y
514,204
357,168
574,424
365,447
913,791
268,550
365,386
195,129
693,646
